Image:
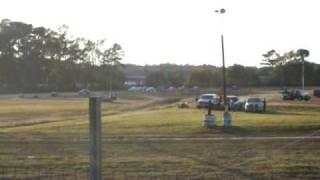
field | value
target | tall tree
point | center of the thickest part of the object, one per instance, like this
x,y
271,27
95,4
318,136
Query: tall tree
x,y
271,58
276,61
36,56
110,61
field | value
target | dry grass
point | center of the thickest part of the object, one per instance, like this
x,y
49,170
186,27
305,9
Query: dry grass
x,y
48,133
16,112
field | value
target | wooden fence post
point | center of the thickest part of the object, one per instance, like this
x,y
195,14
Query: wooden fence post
x,y
95,138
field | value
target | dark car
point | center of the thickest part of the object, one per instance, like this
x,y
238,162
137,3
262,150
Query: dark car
x,y
233,103
316,92
295,94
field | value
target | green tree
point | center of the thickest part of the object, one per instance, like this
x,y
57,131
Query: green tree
x,y
110,60
242,76
31,56
276,61
271,58
201,77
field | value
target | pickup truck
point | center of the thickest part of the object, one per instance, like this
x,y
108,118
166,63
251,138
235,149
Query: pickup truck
x,y
295,94
254,104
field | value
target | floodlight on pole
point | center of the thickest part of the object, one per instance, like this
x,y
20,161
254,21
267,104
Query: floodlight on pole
x,y
227,116
220,11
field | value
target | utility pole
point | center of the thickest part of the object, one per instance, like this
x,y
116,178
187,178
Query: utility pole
x,y
302,75
226,116
224,77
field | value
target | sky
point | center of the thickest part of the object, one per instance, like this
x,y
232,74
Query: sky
x,y
182,31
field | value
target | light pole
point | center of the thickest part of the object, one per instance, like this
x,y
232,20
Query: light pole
x,y
302,54
226,116
302,74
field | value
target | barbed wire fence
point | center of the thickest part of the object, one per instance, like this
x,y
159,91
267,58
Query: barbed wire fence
x,y
219,170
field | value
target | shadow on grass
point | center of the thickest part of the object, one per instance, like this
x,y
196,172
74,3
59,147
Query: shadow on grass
x,y
249,131
274,112
116,102
233,131
237,130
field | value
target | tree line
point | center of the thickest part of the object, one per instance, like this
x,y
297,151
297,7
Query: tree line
x,y
34,59
41,59
203,76
277,70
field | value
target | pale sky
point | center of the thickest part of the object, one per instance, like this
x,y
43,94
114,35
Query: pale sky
x,y
182,31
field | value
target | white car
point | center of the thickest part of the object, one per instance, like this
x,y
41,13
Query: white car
x,y
150,90
204,100
254,104
84,92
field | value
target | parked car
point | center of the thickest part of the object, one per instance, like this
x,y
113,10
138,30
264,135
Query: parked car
x,y
316,92
204,99
254,104
232,98
150,90
137,89
84,92
53,93
231,102
295,94
234,103
238,105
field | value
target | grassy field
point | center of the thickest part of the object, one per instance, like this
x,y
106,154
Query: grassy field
x,y
50,133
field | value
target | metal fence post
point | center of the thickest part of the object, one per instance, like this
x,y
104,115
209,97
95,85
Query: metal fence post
x,y
95,138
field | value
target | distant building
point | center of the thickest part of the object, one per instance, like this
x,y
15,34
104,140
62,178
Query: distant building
x,y
135,81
